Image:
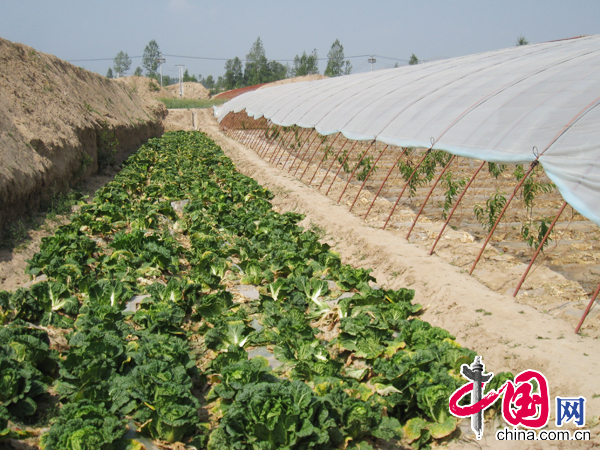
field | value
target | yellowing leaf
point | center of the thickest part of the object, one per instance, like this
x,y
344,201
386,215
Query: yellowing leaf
x,y
393,348
441,430
413,428
132,444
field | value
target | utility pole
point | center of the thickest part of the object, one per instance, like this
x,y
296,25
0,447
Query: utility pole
x,y
372,61
161,60
180,67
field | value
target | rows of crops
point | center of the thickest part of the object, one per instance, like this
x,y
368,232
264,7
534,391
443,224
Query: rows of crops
x,y
449,205
345,364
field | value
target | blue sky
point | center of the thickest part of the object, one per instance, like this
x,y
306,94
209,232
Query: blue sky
x,y
432,29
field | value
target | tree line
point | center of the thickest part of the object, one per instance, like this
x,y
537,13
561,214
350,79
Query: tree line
x,y
257,69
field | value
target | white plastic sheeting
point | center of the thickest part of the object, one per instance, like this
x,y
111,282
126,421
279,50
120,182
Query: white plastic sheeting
x,y
505,106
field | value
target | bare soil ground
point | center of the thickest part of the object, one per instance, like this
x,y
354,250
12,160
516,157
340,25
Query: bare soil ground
x,y
295,80
58,123
146,88
190,90
511,334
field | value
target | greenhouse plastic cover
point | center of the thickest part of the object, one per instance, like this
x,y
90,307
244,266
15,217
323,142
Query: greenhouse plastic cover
x,y
505,106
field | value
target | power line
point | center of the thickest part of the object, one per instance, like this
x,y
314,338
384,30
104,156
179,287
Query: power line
x,y
207,58
246,60
99,59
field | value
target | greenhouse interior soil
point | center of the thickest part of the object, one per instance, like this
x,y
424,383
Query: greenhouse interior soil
x,y
510,335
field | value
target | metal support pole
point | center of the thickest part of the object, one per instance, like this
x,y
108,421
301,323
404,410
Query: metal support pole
x,y
587,310
385,181
368,175
405,186
539,248
282,143
301,158
332,162
275,155
462,194
240,128
318,147
251,138
313,155
236,124
257,136
298,150
276,134
310,143
266,140
253,135
429,195
489,236
323,158
355,169
278,154
341,167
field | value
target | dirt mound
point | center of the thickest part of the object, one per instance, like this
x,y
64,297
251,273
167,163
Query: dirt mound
x,y
147,88
190,90
57,122
295,80
228,95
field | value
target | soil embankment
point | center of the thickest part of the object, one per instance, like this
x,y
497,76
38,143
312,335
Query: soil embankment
x,y
58,123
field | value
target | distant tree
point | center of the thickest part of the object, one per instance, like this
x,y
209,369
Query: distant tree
x,y
138,72
209,82
109,74
396,65
521,40
306,64
336,65
256,70
167,80
122,63
275,71
413,60
150,58
188,77
219,86
233,78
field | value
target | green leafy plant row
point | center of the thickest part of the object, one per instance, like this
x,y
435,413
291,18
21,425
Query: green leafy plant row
x,y
146,285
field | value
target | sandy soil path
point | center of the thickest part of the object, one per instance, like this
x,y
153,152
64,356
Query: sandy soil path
x,y
511,336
